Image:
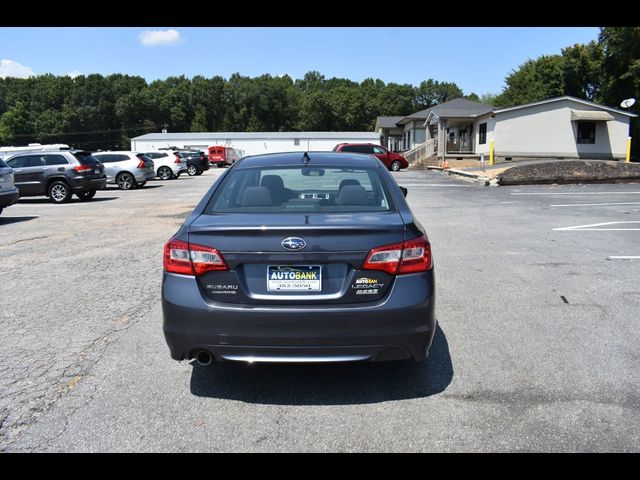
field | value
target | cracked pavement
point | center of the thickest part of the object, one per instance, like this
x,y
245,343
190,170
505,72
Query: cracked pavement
x,y
84,366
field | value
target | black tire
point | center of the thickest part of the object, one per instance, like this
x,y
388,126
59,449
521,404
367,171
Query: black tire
x,y
165,173
59,192
192,170
84,196
125,181
395,166
141,184
200,172
1,210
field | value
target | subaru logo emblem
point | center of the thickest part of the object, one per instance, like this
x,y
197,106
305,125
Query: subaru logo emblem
x,y
293,243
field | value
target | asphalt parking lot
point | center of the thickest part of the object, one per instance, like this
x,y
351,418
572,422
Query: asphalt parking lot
x,y
538,301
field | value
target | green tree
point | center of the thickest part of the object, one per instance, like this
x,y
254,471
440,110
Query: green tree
x,y
432,92
15,126
534,80
583,72
621,65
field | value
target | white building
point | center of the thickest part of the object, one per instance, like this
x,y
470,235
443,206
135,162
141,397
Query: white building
x,y
563,127
253,143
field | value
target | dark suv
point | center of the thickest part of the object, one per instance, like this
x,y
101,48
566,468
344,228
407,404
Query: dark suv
x,y
58,174
197,161
393,161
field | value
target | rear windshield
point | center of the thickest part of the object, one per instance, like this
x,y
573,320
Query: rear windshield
x,y
301,189
86,158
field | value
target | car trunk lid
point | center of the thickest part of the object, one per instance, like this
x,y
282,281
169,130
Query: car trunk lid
x,y
327,269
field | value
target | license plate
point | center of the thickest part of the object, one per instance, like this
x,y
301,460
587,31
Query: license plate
x,y
97,170
294,278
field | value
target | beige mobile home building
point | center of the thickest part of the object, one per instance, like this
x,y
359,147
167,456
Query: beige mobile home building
x,y
563,127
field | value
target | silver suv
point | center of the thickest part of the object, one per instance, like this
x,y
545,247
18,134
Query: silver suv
x,y
57,174
127,169
168,164
8,192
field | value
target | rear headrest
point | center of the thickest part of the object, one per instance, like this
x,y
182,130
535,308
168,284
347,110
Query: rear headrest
x,y
256,197
352,195
348,181
272,182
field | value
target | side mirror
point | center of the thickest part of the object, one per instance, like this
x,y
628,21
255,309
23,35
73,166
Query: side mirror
x,y
404,190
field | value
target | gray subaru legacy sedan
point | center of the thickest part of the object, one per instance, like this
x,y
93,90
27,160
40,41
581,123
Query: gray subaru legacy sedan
x,y
300,257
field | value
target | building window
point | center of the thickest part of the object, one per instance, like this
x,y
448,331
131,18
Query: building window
x,y
482,133
296,141
586,132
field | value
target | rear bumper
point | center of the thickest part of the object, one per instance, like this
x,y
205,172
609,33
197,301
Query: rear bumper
x,y
200,165
401,326
87,184
144,176
8,197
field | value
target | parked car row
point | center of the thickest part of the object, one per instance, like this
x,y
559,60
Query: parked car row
x,y
60,174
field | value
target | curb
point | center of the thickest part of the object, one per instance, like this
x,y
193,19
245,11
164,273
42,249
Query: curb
x,y
486,181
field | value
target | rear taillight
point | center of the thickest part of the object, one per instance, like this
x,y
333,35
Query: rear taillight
x,y
82,168
400,258
191,259
141,164
178,160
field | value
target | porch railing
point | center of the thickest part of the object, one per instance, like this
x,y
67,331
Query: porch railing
x,y
460,145
421,151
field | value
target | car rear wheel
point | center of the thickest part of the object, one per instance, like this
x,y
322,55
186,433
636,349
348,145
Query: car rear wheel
x,y
125,181
165,173
395,166
192,170
59,192
84,196
200,172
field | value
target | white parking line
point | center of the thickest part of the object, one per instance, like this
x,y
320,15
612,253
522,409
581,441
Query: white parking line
x,y
594,204
573,193
624,256
589,227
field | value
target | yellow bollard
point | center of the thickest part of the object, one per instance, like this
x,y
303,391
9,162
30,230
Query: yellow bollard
x,y
491,148
628,158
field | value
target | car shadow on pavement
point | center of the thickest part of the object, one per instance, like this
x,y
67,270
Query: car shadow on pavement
x,y
73,200
327,384
117,189
7,220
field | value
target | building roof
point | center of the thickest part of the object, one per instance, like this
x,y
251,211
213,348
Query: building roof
x,y
421,115
461,107
458,107
191,136
387,122
566,97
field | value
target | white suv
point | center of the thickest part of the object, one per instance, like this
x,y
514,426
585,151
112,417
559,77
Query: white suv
x,y
126,169
168,164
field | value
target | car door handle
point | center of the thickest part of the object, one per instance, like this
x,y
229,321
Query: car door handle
x,y
16,170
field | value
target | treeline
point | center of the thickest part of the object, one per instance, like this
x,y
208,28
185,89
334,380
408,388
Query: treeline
x,y
96,111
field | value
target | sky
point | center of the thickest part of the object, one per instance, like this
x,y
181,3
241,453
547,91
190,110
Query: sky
x,y
477,59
